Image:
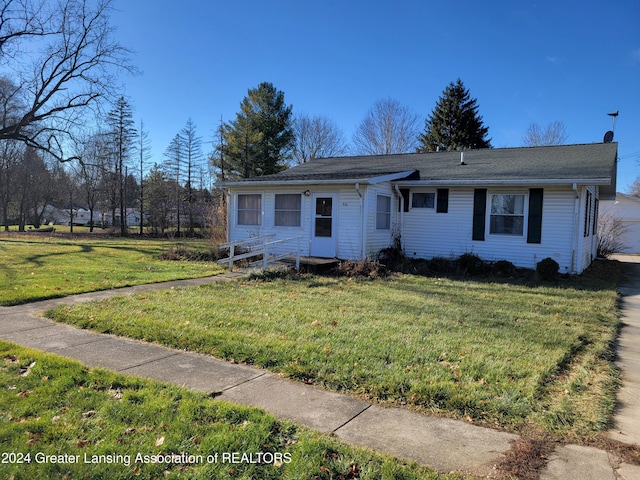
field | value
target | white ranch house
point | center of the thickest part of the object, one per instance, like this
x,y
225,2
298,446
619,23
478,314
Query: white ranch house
x,y
515,204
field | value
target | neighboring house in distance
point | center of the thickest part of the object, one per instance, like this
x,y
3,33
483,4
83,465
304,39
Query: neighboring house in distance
x,y
55,216
515,204
62,216
626,209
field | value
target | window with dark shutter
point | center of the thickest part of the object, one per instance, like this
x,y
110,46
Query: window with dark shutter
x,y
479,213
534,228
442,205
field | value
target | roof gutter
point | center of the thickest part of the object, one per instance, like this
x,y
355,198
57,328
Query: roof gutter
x,y
576,226
282,183
542,181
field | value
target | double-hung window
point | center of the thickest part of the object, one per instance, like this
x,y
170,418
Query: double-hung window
x,y
288,210
250,209
383,213
423,200
507,214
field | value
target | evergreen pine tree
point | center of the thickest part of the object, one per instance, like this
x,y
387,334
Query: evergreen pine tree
x,y
260,140
454,123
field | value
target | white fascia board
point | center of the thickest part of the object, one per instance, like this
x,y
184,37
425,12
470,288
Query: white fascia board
x,y
286,183
341,181
494,182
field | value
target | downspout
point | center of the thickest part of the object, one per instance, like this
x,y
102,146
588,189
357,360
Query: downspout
x,y
362,221
401,216
576,230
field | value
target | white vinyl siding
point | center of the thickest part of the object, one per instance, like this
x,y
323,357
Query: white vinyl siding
x,y
587,239
377,239
424,232
427,234
348,220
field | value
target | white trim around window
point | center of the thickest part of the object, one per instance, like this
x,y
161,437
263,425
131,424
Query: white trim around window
x,y
383,212
249,209
507,214
287,210
423,199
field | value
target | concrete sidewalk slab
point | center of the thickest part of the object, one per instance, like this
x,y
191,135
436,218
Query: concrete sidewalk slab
x,y
114,353
444,444
198,372
627,416
43,305
574,461
319,409
19,322
628,472
52,337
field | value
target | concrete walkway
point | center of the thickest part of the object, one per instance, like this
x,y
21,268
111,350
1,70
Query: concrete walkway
x,y
443,444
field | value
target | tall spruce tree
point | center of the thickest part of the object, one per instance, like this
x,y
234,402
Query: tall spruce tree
x,y
454,123
122,134
260,140
192,155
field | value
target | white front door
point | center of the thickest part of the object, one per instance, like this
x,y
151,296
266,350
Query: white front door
x,y
324,226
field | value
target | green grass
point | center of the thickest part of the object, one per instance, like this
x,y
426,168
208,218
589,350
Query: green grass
x,y
51,406
36,268
495,353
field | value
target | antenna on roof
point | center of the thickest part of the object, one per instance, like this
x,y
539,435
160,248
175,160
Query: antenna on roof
x,y
608,136
613,119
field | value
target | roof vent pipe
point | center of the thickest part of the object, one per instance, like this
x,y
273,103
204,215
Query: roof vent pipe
x,y
462,158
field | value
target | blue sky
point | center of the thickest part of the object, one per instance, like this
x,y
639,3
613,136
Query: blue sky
x,y
524,62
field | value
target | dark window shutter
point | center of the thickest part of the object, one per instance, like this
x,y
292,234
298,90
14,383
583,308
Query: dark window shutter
x,y
443,200
405,195
587,214
534,230
479,213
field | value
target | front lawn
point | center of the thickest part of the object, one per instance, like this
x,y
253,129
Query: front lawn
x,y
495,353
60,420
37,268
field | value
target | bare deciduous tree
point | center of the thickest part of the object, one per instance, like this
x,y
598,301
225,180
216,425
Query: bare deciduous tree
x,y
553,134
317,137
611,231
11,155
63,61
634,189
94,152
387,128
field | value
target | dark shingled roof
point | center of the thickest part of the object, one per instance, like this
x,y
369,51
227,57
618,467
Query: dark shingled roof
x,y
571,162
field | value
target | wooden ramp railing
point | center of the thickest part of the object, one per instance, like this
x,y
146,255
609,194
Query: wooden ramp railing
x,y
255,246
